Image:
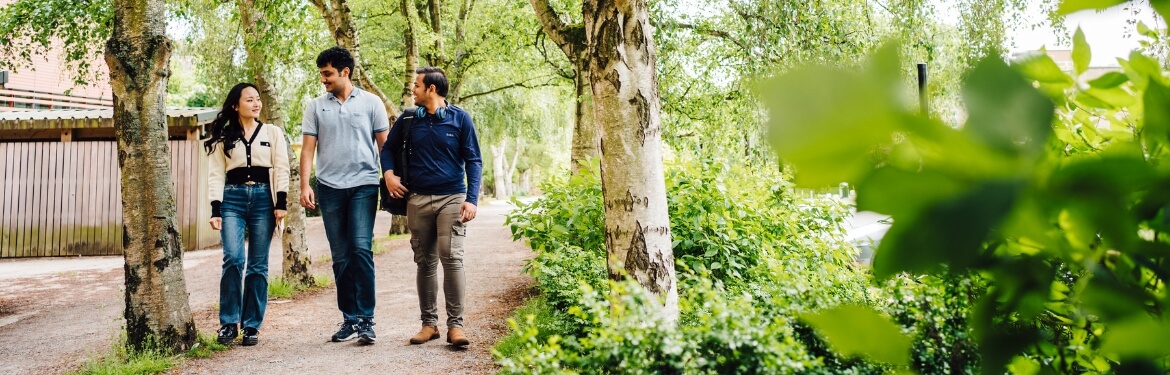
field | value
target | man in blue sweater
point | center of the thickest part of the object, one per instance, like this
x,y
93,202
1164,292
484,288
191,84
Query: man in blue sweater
x,y
443,153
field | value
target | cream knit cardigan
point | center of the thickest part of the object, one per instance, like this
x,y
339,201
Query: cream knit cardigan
x,y
269,149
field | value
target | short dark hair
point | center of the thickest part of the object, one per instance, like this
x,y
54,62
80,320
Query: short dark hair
x,y
338,57
434,76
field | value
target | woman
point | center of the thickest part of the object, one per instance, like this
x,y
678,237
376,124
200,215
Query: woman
x,y
248,182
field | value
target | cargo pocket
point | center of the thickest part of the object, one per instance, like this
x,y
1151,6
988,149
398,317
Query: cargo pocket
x,y
458,234
418,253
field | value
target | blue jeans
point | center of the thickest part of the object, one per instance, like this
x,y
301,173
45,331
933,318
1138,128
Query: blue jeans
x,y
247,211
348,215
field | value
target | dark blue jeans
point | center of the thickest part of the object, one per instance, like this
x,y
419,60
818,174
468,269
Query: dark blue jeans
x,y
348,215
247,211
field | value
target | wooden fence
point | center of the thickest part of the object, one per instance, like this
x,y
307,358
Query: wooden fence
x,y
64,198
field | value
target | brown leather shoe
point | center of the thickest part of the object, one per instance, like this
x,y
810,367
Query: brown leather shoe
x,y
427,333
456,337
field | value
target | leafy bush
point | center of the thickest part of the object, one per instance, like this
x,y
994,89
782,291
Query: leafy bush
x,y
1052,194
751,257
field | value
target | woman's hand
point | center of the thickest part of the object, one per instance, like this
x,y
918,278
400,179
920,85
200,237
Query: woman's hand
x,y
279,218
216,223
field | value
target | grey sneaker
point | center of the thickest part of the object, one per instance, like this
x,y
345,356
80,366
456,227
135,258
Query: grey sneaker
x,y
348,331
365,329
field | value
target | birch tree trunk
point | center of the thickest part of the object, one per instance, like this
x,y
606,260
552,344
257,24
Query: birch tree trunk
x,y
510,175
499,158
626,105
398,222
572,41
138,52
586,138
296,253
411,44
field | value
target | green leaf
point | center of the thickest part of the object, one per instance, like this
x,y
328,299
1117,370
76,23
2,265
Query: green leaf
x,y
1081,55
859,330
825,121
950,232
901,193
1137,337
1071,6
1038,66
1112,98
1005,111
1162,7
1156,122
1109,80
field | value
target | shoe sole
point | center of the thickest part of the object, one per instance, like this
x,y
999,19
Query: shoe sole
x,y
250,342
459,343
367,340
416,342
344,339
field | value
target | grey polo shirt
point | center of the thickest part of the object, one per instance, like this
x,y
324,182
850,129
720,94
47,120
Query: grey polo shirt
x,y
347,152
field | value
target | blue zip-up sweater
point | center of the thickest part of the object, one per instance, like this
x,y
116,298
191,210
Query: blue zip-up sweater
x,y
444,153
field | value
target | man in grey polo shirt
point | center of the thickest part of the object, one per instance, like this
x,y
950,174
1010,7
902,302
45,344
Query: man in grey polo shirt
x,y
346,127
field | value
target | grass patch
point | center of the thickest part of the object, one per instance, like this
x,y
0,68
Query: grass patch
x,y
122,361
278,287
322,281
534,314
205,347
325,258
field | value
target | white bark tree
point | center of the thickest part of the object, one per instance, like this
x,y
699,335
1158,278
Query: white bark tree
x,y
138,53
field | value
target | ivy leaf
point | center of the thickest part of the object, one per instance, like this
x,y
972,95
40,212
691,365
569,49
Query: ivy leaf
x,y
825,121
859,330
1081,54
1006,112
1072,6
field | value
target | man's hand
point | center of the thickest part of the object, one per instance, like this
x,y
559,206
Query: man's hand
x,y
467,212
217,223
394,185
308,198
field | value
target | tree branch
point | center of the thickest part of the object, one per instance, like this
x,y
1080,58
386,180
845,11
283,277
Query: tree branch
x,y
712,33
551,21
523,84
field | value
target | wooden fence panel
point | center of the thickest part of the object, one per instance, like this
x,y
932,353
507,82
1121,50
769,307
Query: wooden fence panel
x,y
6,179
64,198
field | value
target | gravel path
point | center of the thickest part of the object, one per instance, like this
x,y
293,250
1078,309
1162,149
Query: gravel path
x,y
51,322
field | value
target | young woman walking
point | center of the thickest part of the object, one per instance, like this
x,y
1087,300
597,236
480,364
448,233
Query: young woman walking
x,y
248,184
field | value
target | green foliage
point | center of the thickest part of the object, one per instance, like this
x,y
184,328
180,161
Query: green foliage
x,y
1050,192
534,322
752,256
31,28
859,330
935,310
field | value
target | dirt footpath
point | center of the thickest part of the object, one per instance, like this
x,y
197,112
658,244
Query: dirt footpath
x,y
53,322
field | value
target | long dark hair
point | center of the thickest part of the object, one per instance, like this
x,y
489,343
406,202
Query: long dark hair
x,y
226,127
